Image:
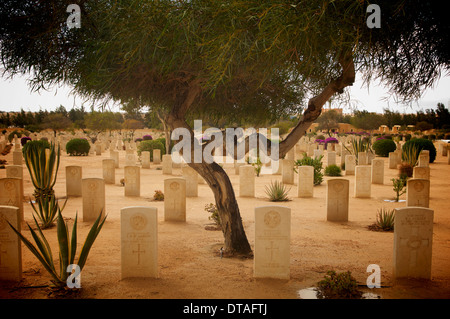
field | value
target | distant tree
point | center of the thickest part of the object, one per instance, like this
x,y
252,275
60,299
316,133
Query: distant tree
x,y
132,125
443,116
328,121
56,122
365,120
98,122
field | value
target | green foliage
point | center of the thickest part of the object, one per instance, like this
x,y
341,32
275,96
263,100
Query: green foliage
x,y
149,146
67,247
383,147
37,143
422,144
399,185
385,219
333,170
410,154
338,286
277,192
78,147
212,209
257,165
314,162
357,145
42,164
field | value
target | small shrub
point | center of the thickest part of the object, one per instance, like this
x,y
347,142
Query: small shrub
x,y
314,162
338,286
149,146
212,209
78,147
422,144
158,196
383,147
11,135
277,192
399,186
333,170
385,219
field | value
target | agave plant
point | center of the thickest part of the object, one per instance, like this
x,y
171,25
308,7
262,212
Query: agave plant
x,y
358,145
385,219
277,192
42,160
67,247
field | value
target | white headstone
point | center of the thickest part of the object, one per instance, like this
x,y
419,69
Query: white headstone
x,y
145,157
272,242
73,181
15,171
175,199
93,192
192,178
362,181
11,193
132,175
350,165
139,242
109,171
337,199
287,171
246,181
418,193
378,171
10,245
167,164
413,240
305,181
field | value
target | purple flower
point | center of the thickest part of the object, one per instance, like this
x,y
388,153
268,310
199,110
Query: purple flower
x,y
331,140
147,137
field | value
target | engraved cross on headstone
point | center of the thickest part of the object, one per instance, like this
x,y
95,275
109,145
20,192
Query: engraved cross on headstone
x,y
271,248
138,252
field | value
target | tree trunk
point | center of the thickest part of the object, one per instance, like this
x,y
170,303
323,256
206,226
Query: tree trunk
x,y
235,239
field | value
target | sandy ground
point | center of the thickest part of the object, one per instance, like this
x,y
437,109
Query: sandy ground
x,y
188,257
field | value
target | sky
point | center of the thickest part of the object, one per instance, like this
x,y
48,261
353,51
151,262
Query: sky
x,y
15,94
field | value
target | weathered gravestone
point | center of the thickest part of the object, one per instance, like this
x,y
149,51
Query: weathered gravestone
x,y
11,193
272,242
191,177
17,157
10,245
115,156
73,180
130,158
156,156
167,164
418,193
109,171
132,175
93,192
331,157
175,199
287,171
337,199
362,181
362,158
393,160
413,239
424,159
15,171
139,242
145,157
350,164
421,172
246,181
378,171
305,186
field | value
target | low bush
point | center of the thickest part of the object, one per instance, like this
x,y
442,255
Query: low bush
x,y
333,170
314,162
149,146
78,147
422,144
383,147
338,286
277,192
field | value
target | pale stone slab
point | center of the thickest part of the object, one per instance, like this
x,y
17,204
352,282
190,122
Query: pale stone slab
x,y
337,199
130,158
139,242
424,159
378,171
350,164
272,242
175,199
192,178
156,156
73,180
17,157
93,191
362,158
421,172
167,164
11,193
115,156
132,175
15,171
246,181
10,245
305,186
418,193
109,171
331,158
287,171
362,181
393,160
413,240
145,157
